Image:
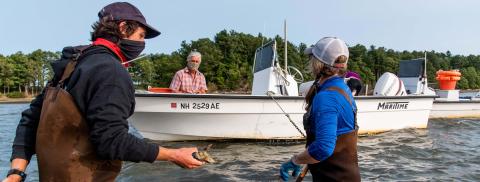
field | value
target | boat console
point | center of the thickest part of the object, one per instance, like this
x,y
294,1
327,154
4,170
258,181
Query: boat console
x,y
269,77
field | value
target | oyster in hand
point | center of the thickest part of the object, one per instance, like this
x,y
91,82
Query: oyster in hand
x,y
203,155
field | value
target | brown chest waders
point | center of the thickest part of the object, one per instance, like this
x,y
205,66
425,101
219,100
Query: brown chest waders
x,y
342,165
63,148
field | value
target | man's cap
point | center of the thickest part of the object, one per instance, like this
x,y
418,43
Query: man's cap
x,y
328,49
126,11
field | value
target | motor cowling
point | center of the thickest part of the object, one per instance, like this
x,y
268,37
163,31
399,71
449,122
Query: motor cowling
x,y
389,85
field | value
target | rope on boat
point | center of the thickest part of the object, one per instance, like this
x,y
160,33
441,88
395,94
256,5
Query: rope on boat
x,y
270,93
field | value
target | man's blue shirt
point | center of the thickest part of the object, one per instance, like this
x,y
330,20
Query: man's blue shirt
x,y
331,116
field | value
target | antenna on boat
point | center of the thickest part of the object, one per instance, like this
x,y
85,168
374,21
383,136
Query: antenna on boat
x,y
425,85
425,62
285,47
263,33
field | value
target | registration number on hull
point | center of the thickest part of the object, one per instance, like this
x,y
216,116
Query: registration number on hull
x,y
197,106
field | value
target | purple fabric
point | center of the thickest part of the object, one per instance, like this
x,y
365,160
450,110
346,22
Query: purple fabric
x,y
352,74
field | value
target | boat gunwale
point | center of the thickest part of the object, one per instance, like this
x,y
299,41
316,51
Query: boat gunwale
x,y
456,101
239,96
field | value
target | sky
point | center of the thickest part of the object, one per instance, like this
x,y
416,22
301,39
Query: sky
x,y
439,25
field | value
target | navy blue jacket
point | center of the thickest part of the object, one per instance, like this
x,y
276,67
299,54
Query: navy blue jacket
x,y
103,90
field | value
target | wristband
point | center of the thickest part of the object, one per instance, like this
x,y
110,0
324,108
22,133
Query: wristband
x,y
17,172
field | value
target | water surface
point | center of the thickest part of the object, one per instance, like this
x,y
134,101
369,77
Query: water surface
x,y
448,150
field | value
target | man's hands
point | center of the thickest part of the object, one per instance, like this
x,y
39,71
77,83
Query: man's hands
x,y
200,91
181,157
20,164
13,178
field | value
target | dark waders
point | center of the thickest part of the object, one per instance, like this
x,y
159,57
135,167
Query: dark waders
x,y
342,165
63,148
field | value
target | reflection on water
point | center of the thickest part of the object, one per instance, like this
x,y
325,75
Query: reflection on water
x,y
447,150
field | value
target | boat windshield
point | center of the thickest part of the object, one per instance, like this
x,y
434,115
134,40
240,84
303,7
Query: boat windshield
x,y
265,57
411,68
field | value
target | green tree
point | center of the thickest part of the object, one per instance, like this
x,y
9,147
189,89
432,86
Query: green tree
x,y
143,73
472,77
227,62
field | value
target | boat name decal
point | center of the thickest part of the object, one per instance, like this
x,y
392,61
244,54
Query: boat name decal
x,y
392,105
202,105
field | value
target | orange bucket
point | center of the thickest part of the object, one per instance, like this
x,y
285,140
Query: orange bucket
x,y
160,90
447,80
447,84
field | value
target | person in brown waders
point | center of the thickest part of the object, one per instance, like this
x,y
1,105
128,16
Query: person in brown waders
x,y
78,126
330,121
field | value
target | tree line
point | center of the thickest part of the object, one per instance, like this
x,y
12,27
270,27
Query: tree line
x,y
25,74
227,61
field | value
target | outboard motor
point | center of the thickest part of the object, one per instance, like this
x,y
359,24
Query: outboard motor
x,y
304,87
389,85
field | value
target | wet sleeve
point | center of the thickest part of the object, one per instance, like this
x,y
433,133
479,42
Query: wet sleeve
x,y
176,82
24,143
112,102
325,117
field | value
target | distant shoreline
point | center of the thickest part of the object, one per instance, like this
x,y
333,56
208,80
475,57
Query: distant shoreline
x,y
15,101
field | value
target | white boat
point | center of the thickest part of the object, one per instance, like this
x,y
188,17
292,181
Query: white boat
x,y
203,117
177,117
455,109
452,105
449,104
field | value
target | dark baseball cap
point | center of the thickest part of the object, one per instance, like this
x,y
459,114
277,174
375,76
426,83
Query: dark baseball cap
x,y
126,11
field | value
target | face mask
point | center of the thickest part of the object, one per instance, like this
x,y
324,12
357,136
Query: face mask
x,y
131,49
192,65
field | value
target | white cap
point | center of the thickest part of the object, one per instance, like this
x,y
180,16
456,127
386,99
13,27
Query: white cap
x,y
328,49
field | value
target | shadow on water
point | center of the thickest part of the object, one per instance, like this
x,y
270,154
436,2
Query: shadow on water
x,y
446,151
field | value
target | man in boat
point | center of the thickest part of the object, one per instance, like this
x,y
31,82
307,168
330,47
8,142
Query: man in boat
x,y
190,79
78,125
330,121
354,82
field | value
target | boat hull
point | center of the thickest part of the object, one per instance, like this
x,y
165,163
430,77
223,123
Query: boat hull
x,y
455,109
178,117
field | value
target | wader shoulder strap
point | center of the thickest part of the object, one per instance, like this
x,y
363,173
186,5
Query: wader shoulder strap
x,y
342,92
67,72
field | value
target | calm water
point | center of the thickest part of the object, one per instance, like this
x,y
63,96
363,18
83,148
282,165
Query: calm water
x,y
447,150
